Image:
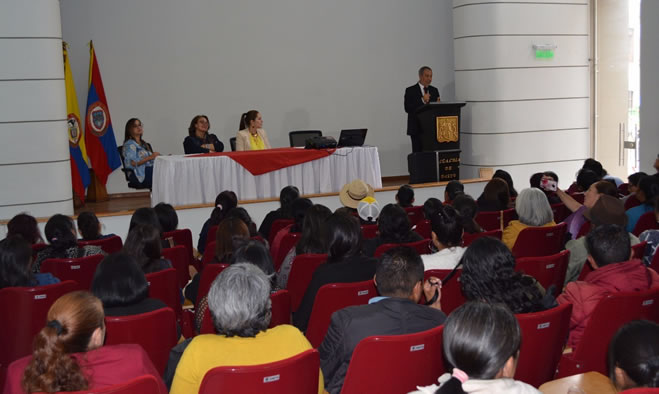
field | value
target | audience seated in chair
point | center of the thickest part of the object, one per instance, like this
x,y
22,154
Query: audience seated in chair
x,y
239,301
313,240
446,238
533,210
488,274
144,244
405,196
609,254
15,265
648,190
61,235
138,156
242,214
167,217
495,196
69,354
593,193
453,189
606,210
651,237
345,262
633,355
224,202
25,226
632,188
286,197
298,209
394,228
90,228
467,209
368,211
399,280
481,341
590,172
501,174
352,193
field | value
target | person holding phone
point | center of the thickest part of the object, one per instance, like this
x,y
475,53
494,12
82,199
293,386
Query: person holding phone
x,y
577,219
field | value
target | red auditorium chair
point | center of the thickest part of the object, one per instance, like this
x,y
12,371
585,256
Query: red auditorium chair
x,y
647,221
540,241
297,374
584,230
415,214
467,238
178,255
655,262
560,212
650,305
155,331
145,384
369,231
496,219
421,247
543,336
632,202
452,296
276,226
23,312
547,270
280,251
109,245
424,229
80,270
395,363
638,250
302,270
332,297
208,275
209,254
210,236
163,285
182,237
611,313
623,189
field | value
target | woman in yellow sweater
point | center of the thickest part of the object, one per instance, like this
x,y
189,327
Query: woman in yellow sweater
x,y
533,210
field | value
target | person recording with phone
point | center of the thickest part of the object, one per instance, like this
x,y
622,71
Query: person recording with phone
x,y
417,96
577,219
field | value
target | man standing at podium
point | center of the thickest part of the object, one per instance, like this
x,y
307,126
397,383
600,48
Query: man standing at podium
x,y
417,96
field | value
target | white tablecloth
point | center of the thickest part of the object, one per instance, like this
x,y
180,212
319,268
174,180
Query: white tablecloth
x,y
181,180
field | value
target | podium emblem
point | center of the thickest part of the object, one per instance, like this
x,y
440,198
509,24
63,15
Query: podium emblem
x,y
447,129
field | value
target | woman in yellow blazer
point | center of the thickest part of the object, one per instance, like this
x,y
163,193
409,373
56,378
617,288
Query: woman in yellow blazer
x,y
251,135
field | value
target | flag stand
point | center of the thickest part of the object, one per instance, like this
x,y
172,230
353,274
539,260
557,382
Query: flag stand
x,y
96,192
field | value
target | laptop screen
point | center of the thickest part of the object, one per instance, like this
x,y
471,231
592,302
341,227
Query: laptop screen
x,y
352,137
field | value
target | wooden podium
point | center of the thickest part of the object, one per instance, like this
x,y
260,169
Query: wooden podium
x,y
440,159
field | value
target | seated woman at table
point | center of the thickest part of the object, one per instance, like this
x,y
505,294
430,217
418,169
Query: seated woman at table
x,y
634,355
138,154
199,139
251,135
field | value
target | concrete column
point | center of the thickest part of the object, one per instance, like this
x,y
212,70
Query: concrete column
x,y
524,114
35,174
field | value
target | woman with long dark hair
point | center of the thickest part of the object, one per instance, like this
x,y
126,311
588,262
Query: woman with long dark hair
x,y
251,135
394,227
447,239
68,353
224,202
24,225
138,154
286,197
144,244
15,262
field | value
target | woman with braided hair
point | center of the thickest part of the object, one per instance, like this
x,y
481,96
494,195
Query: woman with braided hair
x,y
488,274
68,353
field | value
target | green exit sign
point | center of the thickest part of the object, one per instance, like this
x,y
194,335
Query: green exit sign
x,y
544,53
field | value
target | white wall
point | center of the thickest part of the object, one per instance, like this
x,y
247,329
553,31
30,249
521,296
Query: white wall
x,y
304,64
649,135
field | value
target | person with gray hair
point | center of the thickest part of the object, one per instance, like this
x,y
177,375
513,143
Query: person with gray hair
x,y
533,210
240,306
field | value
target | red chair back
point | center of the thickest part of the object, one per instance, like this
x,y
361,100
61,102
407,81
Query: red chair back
x,y
145,384
543,337
650,305
547,270
655,261
23,312
332,297
560,212
163,285
647,221
411,360
415,214
208,275
369,231
281,308
467,238
297,374
109,245
182,237
280,251
632,202
638,250
540,241
209,254
276,226
155,331
424,229
178,255
584,230
495,220
421,247
452,296
210,236
609,315
302,270
578,197
80,270
623,189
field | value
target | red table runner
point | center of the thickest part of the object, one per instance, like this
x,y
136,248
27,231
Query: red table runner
x,y
259,162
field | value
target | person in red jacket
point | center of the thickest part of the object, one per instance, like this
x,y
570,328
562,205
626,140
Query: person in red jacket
x,y
609,253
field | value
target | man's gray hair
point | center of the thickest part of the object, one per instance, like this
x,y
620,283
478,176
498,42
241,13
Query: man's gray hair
x,y
239,301
533,207
423,69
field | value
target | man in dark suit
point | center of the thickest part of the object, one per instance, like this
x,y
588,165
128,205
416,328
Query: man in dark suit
x,y
399,279
416,96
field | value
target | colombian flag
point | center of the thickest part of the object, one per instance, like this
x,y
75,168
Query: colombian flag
x,y
99,136
79,167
